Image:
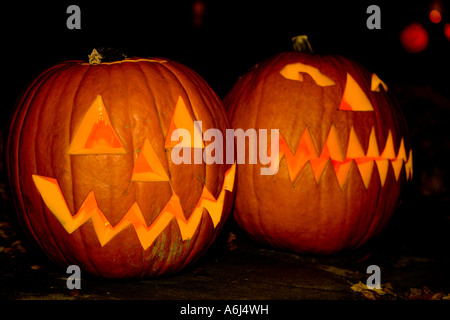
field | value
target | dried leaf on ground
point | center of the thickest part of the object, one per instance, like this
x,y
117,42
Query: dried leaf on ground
x,y
425,294
373,294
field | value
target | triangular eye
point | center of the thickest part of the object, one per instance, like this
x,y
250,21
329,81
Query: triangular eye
x,y
147,166
96,135
182,120
377,83
354,98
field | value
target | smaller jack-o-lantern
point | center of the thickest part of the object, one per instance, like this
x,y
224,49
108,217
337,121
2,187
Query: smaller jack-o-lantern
x,y
90,165
344,152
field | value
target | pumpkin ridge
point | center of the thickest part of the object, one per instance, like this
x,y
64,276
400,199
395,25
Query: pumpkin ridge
x,y
41,115
72,130
256,194
176,73
140,67
16,129
81,236
29,97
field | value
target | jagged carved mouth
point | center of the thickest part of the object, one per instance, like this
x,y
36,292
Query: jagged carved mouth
x,y
56,203
342,161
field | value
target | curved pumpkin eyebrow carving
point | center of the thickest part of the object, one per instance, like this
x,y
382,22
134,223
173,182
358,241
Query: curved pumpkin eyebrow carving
x,y
294,71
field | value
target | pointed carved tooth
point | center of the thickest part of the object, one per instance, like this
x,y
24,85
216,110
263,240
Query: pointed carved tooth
x,y
397,165
230,175
306,151
295,162
401,151
174,207
147,235
188,227
409,166
342,169
213,206
332,148
372,150
354,149
382,166
318,166
389,152
365,169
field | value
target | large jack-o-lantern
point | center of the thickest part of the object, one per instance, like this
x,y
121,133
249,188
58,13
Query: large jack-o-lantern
x,y
344,153
89,162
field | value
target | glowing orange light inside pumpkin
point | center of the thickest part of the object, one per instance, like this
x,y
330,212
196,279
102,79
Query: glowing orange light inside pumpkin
x,y
342,161
435,16
147,234
95,134
102,136
414,38
148,167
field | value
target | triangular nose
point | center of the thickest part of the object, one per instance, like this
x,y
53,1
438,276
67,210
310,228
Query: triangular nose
x,y
96,135
148,166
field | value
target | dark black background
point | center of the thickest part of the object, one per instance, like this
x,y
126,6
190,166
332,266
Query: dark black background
x,y
234,36
237,34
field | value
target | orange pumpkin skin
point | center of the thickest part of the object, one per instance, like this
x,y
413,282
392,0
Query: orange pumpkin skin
x,y
313,211
139,96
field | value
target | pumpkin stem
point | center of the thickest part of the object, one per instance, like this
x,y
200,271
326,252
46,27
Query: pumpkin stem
x,y
95,57
301,44
105,55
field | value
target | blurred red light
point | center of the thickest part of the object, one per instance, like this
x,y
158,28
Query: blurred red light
x,y
435,16
198,12
447,31
414,38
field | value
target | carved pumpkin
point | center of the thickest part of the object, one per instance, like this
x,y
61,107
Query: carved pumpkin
x,y
89,161
344,153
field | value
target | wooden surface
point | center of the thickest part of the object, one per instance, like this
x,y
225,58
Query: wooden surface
x,y
412,256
